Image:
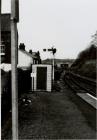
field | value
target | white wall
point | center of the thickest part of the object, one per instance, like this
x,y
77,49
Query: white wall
x,y
49,76
24,60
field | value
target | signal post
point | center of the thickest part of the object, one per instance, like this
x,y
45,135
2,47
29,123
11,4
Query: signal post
x,y
53,50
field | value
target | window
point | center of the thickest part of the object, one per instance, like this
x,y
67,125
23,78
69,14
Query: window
x,y
2,51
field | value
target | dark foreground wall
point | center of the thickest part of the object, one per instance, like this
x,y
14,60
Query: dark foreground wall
x,y
24,84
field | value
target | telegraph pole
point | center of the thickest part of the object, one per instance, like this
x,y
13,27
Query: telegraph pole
x,y
14,48
0,68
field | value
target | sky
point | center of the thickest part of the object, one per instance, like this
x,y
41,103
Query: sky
x,y
68,25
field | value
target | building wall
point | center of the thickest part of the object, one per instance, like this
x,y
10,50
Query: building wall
x,y
6,41
49,76
24,60
6,37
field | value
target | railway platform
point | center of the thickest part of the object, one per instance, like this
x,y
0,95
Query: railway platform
x,y
55,115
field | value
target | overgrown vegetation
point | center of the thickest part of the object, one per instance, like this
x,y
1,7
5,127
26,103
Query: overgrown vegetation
x,y
85,64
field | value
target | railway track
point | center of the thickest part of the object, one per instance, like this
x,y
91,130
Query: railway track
x,y
84,88
79,84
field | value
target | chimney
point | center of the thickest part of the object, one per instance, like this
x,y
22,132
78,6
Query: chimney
x,y
22,46
30,51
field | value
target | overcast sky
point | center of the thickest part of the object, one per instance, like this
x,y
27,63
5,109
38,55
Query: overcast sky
x,y
66,24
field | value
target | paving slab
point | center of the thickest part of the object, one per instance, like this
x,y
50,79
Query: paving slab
x,y
89,99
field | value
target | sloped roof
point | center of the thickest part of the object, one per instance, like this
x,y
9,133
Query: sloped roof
x,y
27,53
5,22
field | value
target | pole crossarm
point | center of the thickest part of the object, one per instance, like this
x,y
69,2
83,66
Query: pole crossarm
x,y
53,50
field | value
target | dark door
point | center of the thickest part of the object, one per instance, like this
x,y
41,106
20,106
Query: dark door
x,y
41,78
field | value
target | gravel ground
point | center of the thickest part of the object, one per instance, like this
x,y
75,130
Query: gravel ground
x,y
55,115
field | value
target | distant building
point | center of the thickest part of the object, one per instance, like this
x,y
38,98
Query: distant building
x,y
66,64
6,38
26,59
